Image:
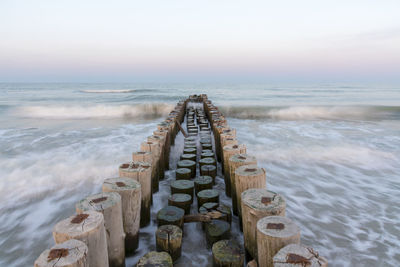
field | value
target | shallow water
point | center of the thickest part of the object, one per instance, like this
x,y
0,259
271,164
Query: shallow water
x,y
331,149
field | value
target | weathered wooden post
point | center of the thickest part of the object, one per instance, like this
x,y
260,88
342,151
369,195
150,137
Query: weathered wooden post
x,y
207,161
246,177
227,253
141,172
183,174
154,148
273,233
298,255
153,258
160,141
71,253
235,162
183,201
169,239
131,196
89,228
170,215
188,164
258,203
217,230
202,183
229,151
182,187
110,205
209,170
166,147
208,195
191,157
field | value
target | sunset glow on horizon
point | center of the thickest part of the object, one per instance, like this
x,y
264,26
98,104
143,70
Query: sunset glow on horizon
x,y
178,40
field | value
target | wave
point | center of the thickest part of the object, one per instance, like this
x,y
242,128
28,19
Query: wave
x,y
150,110
311,112
108,91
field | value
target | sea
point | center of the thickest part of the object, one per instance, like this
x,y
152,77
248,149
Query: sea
x,y
331,149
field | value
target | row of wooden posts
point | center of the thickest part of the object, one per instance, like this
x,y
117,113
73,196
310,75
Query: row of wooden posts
x,y
106,226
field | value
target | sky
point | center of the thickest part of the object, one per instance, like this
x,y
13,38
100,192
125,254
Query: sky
x,y
171,40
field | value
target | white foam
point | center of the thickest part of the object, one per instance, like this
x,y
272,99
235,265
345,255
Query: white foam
x,y
95,112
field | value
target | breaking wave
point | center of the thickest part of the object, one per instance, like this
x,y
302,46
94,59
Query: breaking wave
x,y
151,110
311,112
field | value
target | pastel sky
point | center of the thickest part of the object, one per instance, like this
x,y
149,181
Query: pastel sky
x,y
171,40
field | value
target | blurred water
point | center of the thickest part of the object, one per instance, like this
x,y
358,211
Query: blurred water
x,y
331,149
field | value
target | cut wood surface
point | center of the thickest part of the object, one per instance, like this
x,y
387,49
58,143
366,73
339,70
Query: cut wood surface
x,y
273,233
169,239
258,203
108,203
227,253
71,253
130,192
298,255
155,259
89,228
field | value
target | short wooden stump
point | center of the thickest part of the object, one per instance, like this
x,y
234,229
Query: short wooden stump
x,y
298,255
227,253
183,187
217,230
153,258
170,215
208,195
190,164
182,201
169,239
202,183
183,174
209,170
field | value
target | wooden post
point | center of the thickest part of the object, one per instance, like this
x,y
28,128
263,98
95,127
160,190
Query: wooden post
x,y
207,155
235,162
183,174
169,239
110,205
229,151
71,253
207,161
89,228
273,233
170,215
188,164
190,150
131,195
191,157
209,170
153,147
161,161
224,210
246,177
227,253
298,254
208,195
153,258
166,145
258,203
141,172
202,183
217,230
182,201
183,187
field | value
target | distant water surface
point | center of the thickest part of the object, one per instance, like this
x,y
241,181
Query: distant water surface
x,y
333,150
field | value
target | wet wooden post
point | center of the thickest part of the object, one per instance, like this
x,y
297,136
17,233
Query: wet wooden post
x,y
225,211
89,228
71,253
169,239
108,203
160,141
227,253
170,215
258,203
141,172
131,196
229,151
154,148
298,254
166,145
183,201
189,164
191,157
182,187
208,195
153,258
235,162
217,230
209,170
246,177
207,161
183,174
273,233
202,183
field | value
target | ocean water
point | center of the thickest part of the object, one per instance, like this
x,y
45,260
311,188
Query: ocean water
x,y
332,150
